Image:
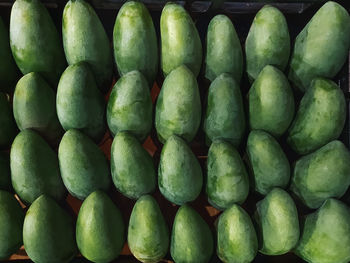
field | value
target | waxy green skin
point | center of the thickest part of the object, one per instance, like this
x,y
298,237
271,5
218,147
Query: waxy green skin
x,y
135,41
80,104
11,224
100,230
34,107
49,232
180,42
224,116
8,129
223,51
277,218
35,43
179,173
320,117
34,168
178,109
326,234
271,102
227,178
191,237
85,39
130,106
268,41
148,233
269,165
84,167
321,48
5,172
236,237
322,174
133,170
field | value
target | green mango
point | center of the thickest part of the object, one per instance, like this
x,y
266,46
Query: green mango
x,y
148,233
191,237
227,178
178,108
135,41
130,106
268,41
321,48
85,39
80,104
269,165
223,49
224,116
180,42
84,167
326,234
34,168
277,219
320,117
236,237
322,174
35,43
100,228
5,172
8,126
34,107
271,102
48,232
11,225
180,176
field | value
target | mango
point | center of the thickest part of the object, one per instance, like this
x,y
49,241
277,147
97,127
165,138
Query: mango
x,y
271,102
84,167
268,163
180,42
48,232
277,219
236,237
148,233
35,43
80,105
129,106
178,108
320,117
5,172
34,168
85,39
8,129
100,228
224,115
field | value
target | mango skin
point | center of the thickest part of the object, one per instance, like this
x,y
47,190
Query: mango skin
x,y
236,237
35,43
227,178
180,42
8,126
130,106
100,230
148,233
191,237
320,117
132,167
223,51
11,224
180,176
84,167
277,218
269,165
34,168
326,234
268,41
135,41
5,172
322,174
85,39
321,48
178,108
224,116
48,232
